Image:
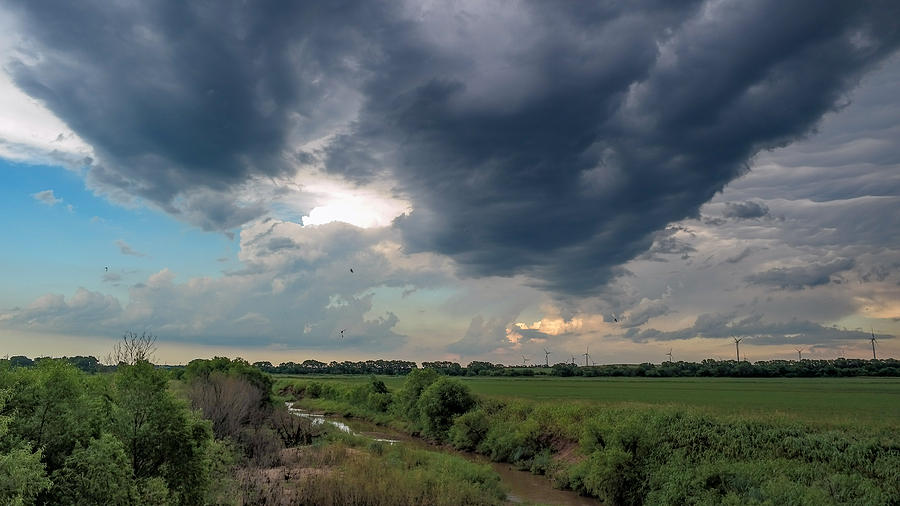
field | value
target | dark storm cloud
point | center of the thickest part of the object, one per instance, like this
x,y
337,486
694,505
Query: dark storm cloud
x,y
755,330
482,336
805,276
620,123
745,210
879,272
746,252
667,243
550,140
644,314
178,96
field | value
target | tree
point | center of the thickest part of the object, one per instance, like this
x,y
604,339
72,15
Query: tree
x,y
20,361
95,474
51,409
229,401
162,437
132,349
22,475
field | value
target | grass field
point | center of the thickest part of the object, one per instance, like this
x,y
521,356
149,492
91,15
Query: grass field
x,y
842,401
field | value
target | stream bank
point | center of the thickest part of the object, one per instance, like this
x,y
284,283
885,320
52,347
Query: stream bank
x,y
522,486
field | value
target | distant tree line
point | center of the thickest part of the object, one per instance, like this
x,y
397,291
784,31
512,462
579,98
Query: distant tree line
x,y
88,364
387,367
734,369
707,368
841,367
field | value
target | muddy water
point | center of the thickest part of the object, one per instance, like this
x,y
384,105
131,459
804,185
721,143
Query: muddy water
x,y
522,486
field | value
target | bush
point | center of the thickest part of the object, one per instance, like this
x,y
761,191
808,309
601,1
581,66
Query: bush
x,y
443,400
608,474
469,430
407,399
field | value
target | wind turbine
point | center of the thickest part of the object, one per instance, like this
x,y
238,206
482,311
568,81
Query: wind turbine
x,y
525,361
737,345
573,359
670,355
873,343
799,354
546,357
587,355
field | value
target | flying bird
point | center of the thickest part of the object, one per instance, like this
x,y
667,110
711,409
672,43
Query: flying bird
x,y
351,270
342,333
107,268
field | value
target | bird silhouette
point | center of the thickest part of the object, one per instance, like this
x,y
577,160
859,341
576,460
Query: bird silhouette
x,y
351,270
107,269
342,333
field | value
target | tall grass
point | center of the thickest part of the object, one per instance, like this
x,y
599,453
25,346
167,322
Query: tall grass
x,y
349,470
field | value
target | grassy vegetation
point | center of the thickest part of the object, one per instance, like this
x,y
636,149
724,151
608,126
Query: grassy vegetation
x,y
688,442
214,436
827,401
360,471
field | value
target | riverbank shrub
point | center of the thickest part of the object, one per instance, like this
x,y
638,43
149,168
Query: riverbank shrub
x,y
639,454
440,403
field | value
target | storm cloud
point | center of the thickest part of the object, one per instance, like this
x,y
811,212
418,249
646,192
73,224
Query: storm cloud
x,y
547,140
756,330
804,276
745,210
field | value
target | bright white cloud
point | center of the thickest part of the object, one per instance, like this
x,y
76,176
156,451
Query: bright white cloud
x,y
364,208
29,132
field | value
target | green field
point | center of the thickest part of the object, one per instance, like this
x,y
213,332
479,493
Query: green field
x,y
869,401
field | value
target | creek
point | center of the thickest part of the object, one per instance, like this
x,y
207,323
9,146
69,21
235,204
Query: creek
x,y
521,486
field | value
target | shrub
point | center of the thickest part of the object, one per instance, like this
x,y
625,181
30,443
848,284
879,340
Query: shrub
x,y
440,403
406,400
469,430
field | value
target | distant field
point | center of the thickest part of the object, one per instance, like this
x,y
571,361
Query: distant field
x,y
870,401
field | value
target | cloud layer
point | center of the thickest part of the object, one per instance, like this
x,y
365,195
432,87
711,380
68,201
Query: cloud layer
x,y
520,175
545,140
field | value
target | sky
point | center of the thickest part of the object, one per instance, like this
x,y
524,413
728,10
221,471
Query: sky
x,y
462,180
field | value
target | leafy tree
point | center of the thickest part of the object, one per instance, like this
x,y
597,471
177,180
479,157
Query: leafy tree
x,y
51,409
162,437
22,475
98,473
202,369
86,364
20,361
